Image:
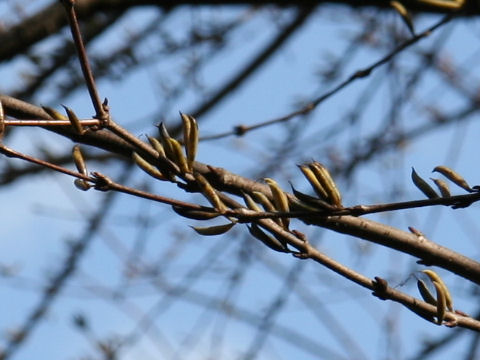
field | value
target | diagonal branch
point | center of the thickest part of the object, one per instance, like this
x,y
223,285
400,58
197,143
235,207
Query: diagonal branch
x,y
223,180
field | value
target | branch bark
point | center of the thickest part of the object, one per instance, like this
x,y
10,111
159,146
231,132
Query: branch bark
x,y
427,251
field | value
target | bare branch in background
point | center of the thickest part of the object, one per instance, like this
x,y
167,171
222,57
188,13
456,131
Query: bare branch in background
x,y
243,219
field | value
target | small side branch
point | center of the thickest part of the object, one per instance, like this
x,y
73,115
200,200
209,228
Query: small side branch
x,y
100,108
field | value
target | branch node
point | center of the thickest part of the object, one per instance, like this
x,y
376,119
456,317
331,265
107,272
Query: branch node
x,y
380,287
102,182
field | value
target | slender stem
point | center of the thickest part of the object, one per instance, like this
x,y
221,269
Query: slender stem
x,y
357,210
101,181
100,110
379,286
104,183
12,153
38,122
2,120
455,201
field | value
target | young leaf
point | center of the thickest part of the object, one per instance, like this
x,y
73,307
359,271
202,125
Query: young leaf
x,y
268,240
323,175
213,230
165,136
157,145
190,136
178,157
54,114
453,177
404,14
147,167
443,187
74,120
441,302
194,214
279,199
436,278
311,203
423,186
266,203
312,179
79,160
426,294
187,126
81,184
2,120
252,205
209,192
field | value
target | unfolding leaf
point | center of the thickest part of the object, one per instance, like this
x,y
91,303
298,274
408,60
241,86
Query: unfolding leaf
x,y
404,14
194,214
268,240
81,184
280,200
436,278
252,205
157,145
443,187
190,135
165,136
262,199
441,302
426,294
79,160
213,230
323,175
209,192
266,203
309,202
453,177
423,186
75,121
147,167
178,157
2,120
312,179
54,114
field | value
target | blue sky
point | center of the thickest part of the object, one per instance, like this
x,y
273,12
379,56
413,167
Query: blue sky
x,y
45,212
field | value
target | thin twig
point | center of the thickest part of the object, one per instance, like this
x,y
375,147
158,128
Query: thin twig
x,y
102,182
38,122
357,210
15,154
100,110
2,120
379,286
429,252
